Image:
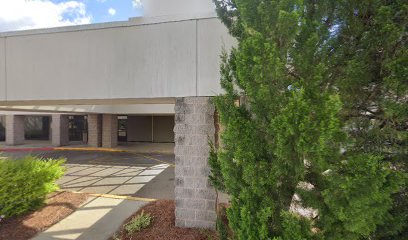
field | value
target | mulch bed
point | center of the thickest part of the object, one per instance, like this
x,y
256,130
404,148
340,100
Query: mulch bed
x,y
163,227
59,205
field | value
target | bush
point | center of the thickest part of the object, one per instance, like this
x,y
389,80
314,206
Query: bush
x,y
138,223
314,104
25,183
222,224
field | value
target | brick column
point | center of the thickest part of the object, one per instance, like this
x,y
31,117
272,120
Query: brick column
x,y
14,130
109,130
94,130
195,197
59,130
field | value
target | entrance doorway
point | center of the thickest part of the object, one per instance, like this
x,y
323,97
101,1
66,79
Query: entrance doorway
x,y
78,128
2,129
122,128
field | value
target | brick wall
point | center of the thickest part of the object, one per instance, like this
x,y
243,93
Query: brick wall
x,y
195,197
109,130
59,130
94,130
14,129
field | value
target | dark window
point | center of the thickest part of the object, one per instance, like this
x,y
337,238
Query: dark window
x,y
37,128
78,128
2,129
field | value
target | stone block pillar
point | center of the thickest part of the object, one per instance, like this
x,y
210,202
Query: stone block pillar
x,y
195,197
14,130
94,130
59,130
109,130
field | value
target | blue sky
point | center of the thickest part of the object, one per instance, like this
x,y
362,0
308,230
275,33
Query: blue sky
x,y
34,14
99,9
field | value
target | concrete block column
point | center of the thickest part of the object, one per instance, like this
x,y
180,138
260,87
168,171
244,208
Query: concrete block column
x,y
195,197
94,130
14,130
109,130
59,130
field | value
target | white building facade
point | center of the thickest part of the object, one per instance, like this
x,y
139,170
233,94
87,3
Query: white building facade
x,y
149,79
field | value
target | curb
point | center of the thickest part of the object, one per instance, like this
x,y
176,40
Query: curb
x,y
26,149
88,149
114,196
60,149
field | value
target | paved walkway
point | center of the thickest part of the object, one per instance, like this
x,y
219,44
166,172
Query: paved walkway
x,y
108,179
98,219
138,177
115,173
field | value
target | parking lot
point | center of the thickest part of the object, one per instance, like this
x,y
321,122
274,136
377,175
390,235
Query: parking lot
x,y
115,173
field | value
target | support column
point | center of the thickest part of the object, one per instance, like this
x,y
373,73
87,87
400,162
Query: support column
x,y
94,130
14,130
109,130
59,130
195,197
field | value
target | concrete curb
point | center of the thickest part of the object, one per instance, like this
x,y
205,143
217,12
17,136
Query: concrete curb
x,y
114,196
89,149
26,149
60,149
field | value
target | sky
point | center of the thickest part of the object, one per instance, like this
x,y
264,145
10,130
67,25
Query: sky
x,y
33,14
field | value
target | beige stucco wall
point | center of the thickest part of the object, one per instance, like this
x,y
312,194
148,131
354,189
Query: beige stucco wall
x,y
150,128
163,129
126,60
139,129
208,62
109,63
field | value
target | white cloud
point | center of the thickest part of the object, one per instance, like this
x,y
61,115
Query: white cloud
x,y
29,14
137,3
112,11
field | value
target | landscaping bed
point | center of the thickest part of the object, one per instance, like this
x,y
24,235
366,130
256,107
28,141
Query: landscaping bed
x,y
58,206
162,226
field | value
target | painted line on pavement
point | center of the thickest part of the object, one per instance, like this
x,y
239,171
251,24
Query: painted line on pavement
x,y
155,159
114,196
89,149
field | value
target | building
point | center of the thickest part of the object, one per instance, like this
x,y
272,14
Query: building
x,y
147,79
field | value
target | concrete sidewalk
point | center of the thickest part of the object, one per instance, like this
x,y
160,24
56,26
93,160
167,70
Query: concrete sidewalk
x,y
98,218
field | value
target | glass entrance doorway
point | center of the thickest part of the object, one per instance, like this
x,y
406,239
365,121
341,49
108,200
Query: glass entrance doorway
x,y
2,129
78,128
122,128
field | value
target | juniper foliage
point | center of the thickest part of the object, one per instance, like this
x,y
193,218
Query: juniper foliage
x,y
315,104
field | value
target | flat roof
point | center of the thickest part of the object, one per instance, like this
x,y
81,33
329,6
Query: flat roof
x,y
137,21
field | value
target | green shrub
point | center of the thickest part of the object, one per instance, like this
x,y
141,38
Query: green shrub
x,y
222,229
138,223
25,183
315,93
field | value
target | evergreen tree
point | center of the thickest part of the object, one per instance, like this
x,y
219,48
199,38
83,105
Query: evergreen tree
x,y
315,105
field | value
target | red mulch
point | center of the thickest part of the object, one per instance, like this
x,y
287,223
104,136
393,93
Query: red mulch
x,y
59,205
163,227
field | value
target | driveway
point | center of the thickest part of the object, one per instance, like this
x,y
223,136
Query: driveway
x,y
116,173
